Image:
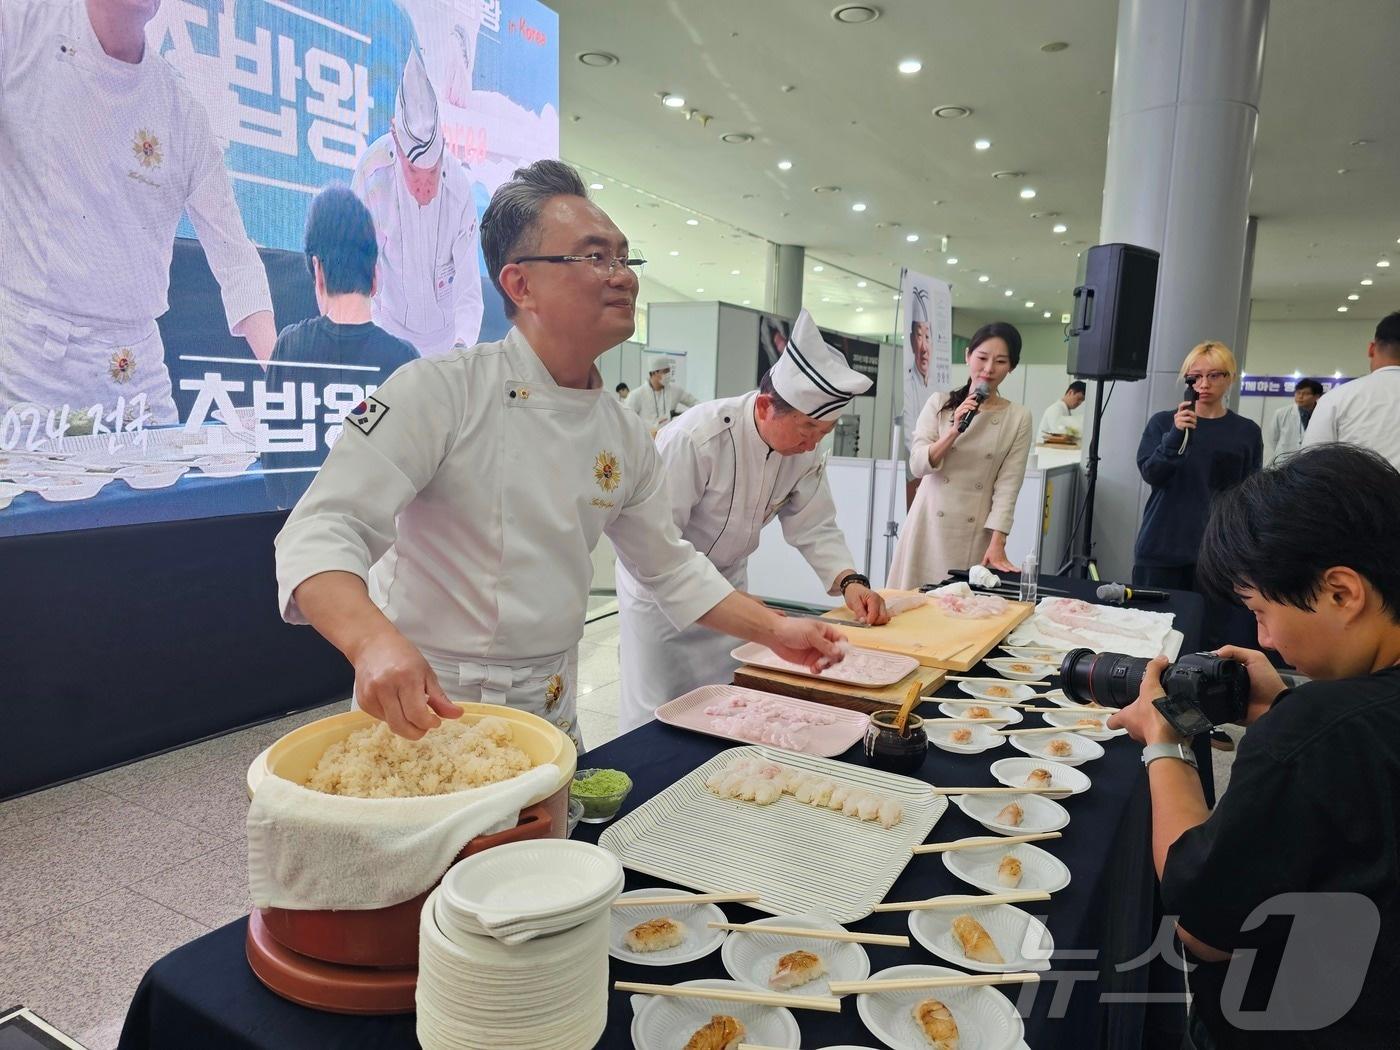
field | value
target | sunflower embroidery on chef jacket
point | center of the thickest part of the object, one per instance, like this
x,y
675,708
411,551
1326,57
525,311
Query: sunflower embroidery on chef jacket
x,y
553,691
606,472
146,147
122,365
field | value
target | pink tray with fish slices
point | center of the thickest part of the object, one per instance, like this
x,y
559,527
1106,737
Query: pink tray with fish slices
x,y
865,667
825,741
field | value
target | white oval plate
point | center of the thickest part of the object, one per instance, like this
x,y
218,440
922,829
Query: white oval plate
x,y
1013,772
978,867
986,1019
1010,667
1039,656
1080,749
984,738
1070,720
1005,716
699,941
1040,813
1022,939
750,957
663,1023
1016,692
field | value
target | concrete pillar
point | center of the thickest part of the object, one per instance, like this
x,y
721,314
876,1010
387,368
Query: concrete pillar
x,y
783,285
1180,157
1241,344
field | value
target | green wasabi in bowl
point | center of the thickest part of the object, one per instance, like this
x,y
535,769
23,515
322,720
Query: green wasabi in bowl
x,y
601,791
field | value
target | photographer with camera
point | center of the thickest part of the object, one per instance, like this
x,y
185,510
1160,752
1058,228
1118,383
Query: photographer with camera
x,y
1313,808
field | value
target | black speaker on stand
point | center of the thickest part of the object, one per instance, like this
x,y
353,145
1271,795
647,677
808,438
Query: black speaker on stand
x,y
1109,338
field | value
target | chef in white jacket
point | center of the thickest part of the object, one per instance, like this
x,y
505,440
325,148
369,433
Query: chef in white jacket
x,y
445,545
658,399
420,195
732,465
105,148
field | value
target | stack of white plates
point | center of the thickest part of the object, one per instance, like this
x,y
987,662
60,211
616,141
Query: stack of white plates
x,y
513,949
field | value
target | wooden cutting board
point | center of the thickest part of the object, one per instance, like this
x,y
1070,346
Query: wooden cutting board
x,y
933,638
837,694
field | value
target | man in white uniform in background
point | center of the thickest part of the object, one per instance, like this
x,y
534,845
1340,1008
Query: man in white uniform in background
x,y
421,199
1284,434
445,546
731,465
1061,417
1366,411
658,400
104,149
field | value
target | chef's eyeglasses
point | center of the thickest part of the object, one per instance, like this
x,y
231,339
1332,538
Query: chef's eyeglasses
x,y
1193,378
603,265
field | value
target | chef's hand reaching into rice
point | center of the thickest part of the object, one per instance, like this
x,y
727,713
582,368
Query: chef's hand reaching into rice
x,y
395,684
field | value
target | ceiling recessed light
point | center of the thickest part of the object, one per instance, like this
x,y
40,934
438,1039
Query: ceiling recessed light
x,y
736,138
746,302
733,273
597,59
858,206
595,185
826,189
674,253
1008,174
952,260
1382,263
982,144
1053,47
860,284
951,112
784,165
1047,313
1009,293
673,101
1030,304
910,66
911,237
1059,227
1366,282
1361,142
982,278
826,298
860,309
1353,297
855,14
1027,193
698,291
818,269
1341,309
692,222
895,297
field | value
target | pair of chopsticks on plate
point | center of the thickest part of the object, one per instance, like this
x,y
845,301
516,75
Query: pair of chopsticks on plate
x,y
825,1003
1019,706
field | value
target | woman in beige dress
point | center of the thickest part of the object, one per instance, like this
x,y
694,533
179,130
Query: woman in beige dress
x,y
968,482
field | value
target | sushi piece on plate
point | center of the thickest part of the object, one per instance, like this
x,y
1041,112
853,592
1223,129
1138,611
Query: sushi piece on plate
x,y
655,935
795,969
961,736
720,1032
1059,749
1009,871
1039,778
977,943
1011,815
936,1022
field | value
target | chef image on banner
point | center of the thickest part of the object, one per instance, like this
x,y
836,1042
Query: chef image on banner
x,y
420,195
731,466
105,149
918,357
658,399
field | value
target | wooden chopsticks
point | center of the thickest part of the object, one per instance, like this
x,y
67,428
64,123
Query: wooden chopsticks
x,y
824,1003
692,898
999,790
999,840
983,678
937,904
911,984
889,940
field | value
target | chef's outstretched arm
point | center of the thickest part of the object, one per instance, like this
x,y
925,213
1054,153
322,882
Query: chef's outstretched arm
x,y
800,639
392,680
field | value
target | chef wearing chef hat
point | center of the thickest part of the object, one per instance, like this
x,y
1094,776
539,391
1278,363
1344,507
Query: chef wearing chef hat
x,y
105,148
920,356
421,198
732,465
659,399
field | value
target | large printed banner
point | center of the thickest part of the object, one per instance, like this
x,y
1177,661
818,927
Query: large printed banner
x,y
153,215
1282,386
926,306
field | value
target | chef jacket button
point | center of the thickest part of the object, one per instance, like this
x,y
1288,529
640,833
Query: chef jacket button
x,y
989,455
726,419
512,393
996,420
940,514
969,521
979,486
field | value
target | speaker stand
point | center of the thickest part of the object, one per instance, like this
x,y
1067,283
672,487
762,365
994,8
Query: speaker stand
x,y
1082,564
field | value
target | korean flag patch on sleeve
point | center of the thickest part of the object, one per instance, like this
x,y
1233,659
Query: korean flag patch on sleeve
x,y
365,416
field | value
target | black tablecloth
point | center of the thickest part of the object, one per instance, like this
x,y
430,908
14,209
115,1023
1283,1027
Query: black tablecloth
x,y
204,995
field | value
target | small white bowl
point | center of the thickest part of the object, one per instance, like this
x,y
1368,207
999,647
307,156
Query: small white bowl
x,y
1071,720
1022,939
8,491
1040,813
1022,670
153,475
1035,656
66,488
996,690
225,464
661,1023
1080,750
1004,716
1013,772
984,738
986,1018
978,867
699,940
750,957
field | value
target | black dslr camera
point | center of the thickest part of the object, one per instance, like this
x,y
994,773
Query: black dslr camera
x,y
1203,690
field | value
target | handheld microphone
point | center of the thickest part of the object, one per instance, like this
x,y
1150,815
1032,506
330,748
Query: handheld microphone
x,y
981,394
1117,594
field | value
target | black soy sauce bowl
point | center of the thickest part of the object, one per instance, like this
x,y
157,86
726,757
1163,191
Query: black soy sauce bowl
x,y
887,749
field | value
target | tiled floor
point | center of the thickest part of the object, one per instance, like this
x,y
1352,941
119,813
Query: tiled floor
x,y
105,875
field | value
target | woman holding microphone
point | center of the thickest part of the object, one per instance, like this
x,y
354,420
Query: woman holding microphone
x,y
969,452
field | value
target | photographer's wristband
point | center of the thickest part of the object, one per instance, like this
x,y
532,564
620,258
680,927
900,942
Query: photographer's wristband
x,y
1152,752
850,578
